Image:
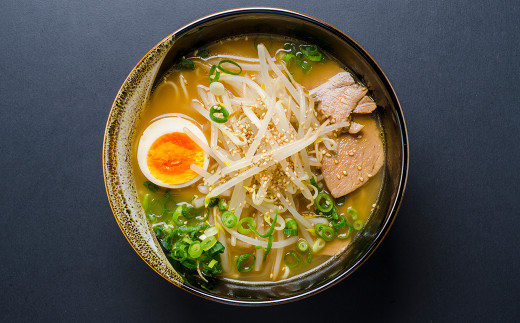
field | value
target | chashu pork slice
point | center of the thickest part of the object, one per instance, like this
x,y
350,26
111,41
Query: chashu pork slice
x,y
340,96
357,158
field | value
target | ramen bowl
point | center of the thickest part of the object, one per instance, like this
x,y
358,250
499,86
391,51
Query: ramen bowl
x,y
131,99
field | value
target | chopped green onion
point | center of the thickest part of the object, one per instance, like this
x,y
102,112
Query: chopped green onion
x,y
291,228
289,46
246,262
177,214
218,108
266,250
291,259
309,49
269,232
306,67
339,223
358,225
326,206
352,213
213,70
189,229
312,53
195,250
211,231
222,205
208,243
228,71
289,59
313,182
187,240
205,217
318,245
217,248
325,232
190,212
269,245
151,186
179,254
159,231
290,232
167,243
189,263
204,53
185,64
347,234
229,220
213,201
212,263
303,245
251,223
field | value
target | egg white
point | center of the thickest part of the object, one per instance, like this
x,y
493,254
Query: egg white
x,y
156,130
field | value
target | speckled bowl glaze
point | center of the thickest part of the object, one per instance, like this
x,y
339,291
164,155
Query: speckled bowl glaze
x,y
131,98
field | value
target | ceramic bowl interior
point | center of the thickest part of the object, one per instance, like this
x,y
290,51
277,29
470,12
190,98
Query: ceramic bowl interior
x,y
129,103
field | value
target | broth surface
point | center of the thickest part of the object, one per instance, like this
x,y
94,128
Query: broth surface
x,y
170,99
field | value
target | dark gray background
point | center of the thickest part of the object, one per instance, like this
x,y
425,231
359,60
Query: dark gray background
x,y
452,254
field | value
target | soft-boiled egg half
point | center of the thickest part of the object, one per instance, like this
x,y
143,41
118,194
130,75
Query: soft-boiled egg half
x,y
165,152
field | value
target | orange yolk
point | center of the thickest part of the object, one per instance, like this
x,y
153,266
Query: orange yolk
x,y
170,157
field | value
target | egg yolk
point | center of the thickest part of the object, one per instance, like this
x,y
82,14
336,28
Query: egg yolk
x,y
170,156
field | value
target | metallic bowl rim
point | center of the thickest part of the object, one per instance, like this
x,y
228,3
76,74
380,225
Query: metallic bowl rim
x,y
404,142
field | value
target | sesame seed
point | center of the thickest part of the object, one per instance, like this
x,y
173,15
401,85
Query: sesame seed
x,y
345,172
336,161
361,179
350,153
359,167
369,175
337,175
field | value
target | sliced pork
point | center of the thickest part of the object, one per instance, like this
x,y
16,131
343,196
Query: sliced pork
x,y
357,158
340,96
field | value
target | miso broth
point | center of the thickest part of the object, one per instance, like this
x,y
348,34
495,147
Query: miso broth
x,y
174,97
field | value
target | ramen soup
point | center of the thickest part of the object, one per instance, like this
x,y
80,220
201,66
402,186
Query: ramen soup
x,y
256,159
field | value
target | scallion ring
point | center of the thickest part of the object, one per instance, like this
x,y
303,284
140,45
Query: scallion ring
x,y
222,205
318,245
302,245
218,108
226,70
324,202
339,223
251,223
291,228
352,213
358,225
177,214
208,243
195,250
246,262
325,232
347,234
229,219
213,70
179,254
291,259
190,212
